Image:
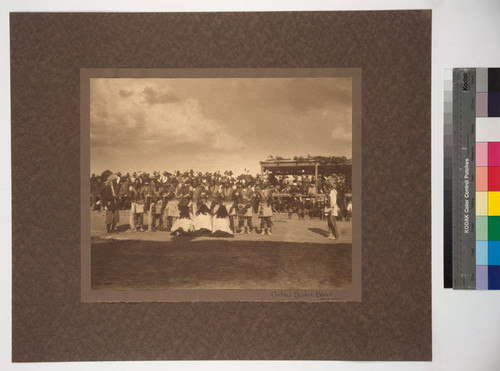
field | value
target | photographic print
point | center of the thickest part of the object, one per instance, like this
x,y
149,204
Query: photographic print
x,y
236,184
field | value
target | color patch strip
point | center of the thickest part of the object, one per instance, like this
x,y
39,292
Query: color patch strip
x,y
487,179
472,136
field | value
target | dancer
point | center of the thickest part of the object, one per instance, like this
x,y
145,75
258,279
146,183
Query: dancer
x,y
227,192
202,223
220,223
245,211
265,209
110,203
171,211
183,224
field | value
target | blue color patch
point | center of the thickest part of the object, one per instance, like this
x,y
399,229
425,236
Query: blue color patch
x,y
494,253
494,277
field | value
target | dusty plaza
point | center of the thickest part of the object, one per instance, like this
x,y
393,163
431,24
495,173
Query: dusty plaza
x,y
297,255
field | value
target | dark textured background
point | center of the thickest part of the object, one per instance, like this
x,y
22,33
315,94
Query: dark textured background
x,y
393,322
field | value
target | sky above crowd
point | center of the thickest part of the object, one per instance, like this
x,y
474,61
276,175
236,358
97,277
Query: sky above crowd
x,y
210,124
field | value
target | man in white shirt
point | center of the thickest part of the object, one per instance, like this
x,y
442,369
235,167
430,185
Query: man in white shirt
x,y
331,212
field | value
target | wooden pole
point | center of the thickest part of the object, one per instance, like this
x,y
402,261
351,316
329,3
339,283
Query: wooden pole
x,y
316,177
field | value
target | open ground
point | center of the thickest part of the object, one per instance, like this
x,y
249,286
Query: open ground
x,y
297,256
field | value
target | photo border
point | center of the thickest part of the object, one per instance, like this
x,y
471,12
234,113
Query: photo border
x,y
207,295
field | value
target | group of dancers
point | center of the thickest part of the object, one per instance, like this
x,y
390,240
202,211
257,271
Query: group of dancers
x,y
198,209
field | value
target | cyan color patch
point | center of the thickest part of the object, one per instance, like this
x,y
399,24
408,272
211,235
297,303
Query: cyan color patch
x,y
481,252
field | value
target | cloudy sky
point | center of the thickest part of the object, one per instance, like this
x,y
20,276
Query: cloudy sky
x,y
215,123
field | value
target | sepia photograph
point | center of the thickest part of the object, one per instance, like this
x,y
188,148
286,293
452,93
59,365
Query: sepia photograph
x,y
220,185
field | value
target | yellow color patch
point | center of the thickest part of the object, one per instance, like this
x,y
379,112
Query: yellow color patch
x,y
493,203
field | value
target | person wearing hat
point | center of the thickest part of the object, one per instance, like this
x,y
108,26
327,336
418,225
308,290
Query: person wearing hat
x,y
164,178
110,203
331,212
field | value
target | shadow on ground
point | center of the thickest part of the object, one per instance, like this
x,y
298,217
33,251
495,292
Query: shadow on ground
x,y
184,263
319,231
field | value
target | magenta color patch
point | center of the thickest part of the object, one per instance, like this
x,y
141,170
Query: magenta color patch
x,y
493,153
481,104
481,277
481,154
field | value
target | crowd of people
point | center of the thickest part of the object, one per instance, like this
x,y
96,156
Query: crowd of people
x,y
217,204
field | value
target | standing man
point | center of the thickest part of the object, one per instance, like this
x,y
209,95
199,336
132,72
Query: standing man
x,y
110,203
331,212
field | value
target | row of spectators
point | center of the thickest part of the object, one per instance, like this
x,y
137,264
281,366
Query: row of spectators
x,y
139,185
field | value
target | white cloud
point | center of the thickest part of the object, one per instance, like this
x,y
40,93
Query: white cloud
x,y
161,119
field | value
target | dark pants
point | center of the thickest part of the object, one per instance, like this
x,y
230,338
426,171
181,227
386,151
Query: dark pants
x,y
332,225
265,222
112,218
248,220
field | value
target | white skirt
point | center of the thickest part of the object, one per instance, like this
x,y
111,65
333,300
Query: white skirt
x,y
221,224
183,225
202,221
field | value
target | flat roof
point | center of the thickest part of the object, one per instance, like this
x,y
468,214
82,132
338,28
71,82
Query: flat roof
x,y
304,163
